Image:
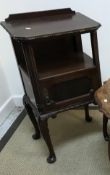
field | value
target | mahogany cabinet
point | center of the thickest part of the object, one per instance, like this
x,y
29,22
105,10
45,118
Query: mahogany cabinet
x,y
56,73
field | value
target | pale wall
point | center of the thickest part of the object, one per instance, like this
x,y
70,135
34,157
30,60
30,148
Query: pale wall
x,y
4,90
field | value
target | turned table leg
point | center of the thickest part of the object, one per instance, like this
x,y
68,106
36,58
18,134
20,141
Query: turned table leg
x,y
45,133
32,117
87,116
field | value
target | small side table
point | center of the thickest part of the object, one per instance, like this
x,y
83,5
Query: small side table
x,y
57,74
102,96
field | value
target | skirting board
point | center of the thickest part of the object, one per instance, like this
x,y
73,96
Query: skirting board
x,y
12,129
8,107
18,100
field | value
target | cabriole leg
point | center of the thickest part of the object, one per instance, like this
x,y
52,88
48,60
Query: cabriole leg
x,y
87,116
109,150
45,133
105,133
32,117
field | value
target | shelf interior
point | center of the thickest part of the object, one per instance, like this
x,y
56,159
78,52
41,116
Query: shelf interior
x,y
56,57
69,64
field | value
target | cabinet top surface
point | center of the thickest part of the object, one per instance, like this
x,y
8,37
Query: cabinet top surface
x,y
32,25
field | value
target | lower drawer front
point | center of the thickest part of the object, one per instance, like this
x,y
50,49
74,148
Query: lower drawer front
x,y
69,89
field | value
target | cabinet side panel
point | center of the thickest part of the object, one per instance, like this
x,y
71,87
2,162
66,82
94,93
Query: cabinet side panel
x,y
23,70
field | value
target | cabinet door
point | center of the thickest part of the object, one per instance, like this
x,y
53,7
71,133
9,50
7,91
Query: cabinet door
x,y
70,89
76,91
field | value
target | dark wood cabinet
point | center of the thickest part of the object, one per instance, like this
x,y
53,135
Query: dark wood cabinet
x,y
57,75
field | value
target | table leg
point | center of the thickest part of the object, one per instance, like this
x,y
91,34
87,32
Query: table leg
x,y
105,132
87,116
32,117
45,133
109,150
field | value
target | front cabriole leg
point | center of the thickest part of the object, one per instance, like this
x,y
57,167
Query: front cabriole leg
x,y
43,123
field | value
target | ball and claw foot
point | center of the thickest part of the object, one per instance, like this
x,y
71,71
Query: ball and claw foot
x,y
51,159
36,136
